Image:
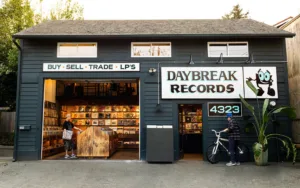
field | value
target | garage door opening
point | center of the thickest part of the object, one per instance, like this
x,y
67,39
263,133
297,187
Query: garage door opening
x,y
107,111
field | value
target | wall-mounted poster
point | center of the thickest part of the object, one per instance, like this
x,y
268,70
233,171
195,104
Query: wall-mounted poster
x,y
264,79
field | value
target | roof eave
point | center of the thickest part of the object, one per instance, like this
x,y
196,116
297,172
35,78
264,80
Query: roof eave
x,y
283,35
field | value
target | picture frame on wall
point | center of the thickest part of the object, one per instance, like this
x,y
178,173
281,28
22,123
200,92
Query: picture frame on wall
x,y
74,115
101,108
81,108
108,108
114,115
114,122
101,122
81,115
107,122
120,115
95,115
81,122
94,108
95,122
101,115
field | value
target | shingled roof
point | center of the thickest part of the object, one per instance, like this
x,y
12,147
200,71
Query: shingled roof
x,y
121,28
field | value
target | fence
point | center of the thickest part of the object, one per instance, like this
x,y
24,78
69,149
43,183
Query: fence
x,y
7,126
7,122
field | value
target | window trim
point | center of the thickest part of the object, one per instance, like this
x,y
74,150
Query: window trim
x,y
131,50
228,52
59,56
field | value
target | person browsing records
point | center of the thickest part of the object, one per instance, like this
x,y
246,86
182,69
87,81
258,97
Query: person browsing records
x,y
69,144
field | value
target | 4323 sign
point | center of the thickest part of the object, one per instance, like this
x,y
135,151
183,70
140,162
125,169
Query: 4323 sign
x,y
220,109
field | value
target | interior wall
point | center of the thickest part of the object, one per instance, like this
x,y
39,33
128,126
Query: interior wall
x,y
50,90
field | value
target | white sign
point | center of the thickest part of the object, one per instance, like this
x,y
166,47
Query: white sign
x,y
202,82
90,67
264,79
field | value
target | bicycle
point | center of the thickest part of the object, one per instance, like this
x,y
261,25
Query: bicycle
x,y
213,151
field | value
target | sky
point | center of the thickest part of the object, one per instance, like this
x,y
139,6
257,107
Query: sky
x,y
267,11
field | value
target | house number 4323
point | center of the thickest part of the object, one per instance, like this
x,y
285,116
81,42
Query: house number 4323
x,y
221,109
225,109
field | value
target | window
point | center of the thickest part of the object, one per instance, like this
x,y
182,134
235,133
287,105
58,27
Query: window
x,y
151,49
228,49
77,50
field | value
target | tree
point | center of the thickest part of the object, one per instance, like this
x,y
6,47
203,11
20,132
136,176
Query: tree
x,y
236,13
15,16
67,10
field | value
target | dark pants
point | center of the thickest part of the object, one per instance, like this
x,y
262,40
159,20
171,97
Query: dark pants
x,y
233,149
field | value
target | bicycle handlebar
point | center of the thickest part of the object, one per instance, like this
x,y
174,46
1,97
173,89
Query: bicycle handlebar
x,y
217,133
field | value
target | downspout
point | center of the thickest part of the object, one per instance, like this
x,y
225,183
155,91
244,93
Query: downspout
x,y
17,101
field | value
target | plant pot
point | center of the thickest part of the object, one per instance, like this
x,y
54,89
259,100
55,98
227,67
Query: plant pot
x,y
260,156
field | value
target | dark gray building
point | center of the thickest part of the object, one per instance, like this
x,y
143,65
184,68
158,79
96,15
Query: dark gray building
x,y
153,58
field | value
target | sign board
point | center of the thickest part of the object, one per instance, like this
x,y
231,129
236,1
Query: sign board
x,y
217,82
90,67
202,82
265,81
220,109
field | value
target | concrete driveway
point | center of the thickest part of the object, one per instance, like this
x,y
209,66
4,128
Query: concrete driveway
x,y
115,174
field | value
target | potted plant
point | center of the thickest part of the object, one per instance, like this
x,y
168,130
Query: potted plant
x,y
261,121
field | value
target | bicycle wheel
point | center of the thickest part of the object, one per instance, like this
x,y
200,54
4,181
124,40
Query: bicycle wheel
x,y
213,155
243,153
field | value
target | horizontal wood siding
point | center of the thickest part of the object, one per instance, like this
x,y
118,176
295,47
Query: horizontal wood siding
x,y
36,52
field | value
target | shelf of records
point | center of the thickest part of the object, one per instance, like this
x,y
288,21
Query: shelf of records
x,y
103,115
130,144
50,110
52,147
191,117
49,131
192,128
105,122
101,108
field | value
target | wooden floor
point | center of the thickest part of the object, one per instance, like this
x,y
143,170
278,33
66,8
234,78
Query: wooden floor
x,y
127,154
193,156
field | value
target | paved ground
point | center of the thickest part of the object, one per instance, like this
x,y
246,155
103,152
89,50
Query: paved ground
x,y
115,174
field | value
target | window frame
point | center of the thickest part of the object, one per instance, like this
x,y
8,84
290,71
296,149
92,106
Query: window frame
x,y
132,55
227,49
58,49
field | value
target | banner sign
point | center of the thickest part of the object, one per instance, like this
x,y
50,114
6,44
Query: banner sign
x,y
220,109
90,67
217,82
202,82
265,81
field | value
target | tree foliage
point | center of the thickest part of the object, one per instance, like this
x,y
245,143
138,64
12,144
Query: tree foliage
x,y
67,10
236,13
15,16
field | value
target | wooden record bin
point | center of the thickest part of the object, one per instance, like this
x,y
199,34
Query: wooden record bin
x,y
96,142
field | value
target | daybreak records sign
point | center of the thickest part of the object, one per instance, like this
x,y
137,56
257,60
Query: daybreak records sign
x,y
218,82
90,67
202,82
